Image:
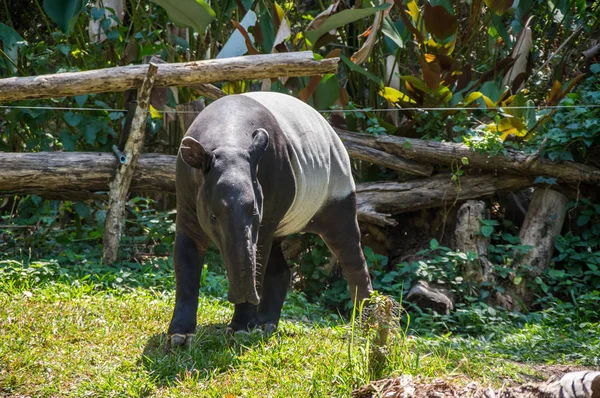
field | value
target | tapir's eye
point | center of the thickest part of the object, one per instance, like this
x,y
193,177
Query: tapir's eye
x,y
213,217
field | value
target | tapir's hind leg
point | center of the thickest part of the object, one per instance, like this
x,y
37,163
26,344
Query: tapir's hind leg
x,y
274,289
337,225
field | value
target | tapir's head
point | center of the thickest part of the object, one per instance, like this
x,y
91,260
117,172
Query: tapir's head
x,y
229,207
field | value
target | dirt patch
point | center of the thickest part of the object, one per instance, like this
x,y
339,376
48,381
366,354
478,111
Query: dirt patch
x,y
407,386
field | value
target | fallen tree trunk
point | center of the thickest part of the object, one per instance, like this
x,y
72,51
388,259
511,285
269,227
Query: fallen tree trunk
x,y
376,156
376,202
124,78
447,153
82,175
79,175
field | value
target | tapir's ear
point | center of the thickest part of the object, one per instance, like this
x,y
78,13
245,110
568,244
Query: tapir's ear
x,y
194,155
259,144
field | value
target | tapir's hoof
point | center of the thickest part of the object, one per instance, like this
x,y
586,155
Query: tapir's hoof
x,y
269,328
181,340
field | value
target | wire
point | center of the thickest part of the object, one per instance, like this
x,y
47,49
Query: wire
x,y
60,108
64,108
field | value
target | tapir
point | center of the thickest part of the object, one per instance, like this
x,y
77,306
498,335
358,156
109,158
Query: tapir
x,y
251,169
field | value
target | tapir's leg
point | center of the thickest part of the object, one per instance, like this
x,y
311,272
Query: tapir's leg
x,y
245,314
188,258
274,289
338,226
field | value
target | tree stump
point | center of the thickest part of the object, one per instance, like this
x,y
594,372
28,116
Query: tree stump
x,y
469,239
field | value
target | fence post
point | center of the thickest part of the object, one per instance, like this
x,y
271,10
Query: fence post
x,y
119,186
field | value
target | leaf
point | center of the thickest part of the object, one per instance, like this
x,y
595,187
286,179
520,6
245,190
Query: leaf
x,y
392,95
595,68
327,92
431,78
517,280
434,244
499,6
361,70
91,130
284,31
487,230
475,95
363,53
154,113
509,126
310,88
439,21
73,119
554,95
81,99
582,220
66,141
247,39
237,44
340,19
11,41
63,12
388,28
416,83
195,14
521,53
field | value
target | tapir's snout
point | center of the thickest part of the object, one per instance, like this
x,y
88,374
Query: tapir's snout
x,y
240,261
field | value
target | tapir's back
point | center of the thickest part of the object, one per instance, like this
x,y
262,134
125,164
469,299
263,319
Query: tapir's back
x,y
320,162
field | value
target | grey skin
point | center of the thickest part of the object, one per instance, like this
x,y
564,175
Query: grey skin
x,y
251,169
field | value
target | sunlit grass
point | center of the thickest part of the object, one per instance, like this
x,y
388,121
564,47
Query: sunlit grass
x,y
84,339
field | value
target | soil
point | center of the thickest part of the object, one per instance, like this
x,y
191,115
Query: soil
x,y
406,386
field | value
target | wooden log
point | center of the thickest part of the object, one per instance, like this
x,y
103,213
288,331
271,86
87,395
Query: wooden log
x,y
59,175
209,91
469,239
385,159
124,78
377,201
119,186
447,153
365,147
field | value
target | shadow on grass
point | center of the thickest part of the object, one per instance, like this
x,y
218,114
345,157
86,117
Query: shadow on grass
x,y
212,352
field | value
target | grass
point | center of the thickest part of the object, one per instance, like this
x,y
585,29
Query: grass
x,y
74,334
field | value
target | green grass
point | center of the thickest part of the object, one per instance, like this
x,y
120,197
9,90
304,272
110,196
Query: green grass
x,y
79,335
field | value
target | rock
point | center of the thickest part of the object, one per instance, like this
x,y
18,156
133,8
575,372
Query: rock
x,y
429,297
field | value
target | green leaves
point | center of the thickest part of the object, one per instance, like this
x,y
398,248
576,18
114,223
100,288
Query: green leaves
x,y
487,227
499,6
11,41
195,14
340,19
63,12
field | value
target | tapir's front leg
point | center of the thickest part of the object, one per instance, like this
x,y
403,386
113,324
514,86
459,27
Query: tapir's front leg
x,y
188,258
